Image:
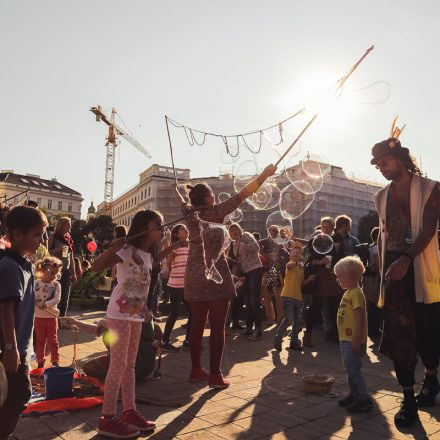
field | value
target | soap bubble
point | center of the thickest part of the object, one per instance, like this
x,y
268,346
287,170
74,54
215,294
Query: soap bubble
x,y
275,200
293,203
211,273
373,94
223,196
315,165
303,182
236,216
229,158
322,243
281,226
246,172
261,198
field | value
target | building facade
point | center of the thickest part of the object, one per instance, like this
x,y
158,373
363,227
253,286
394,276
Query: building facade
x,y
53,196
153,191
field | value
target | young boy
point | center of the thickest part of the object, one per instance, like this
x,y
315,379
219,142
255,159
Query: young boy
x,y
291,297
352,329
26,227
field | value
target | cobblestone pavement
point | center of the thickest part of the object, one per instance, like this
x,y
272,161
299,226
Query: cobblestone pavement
x,y
265,400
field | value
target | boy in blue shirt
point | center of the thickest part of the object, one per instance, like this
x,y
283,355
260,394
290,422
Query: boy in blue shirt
x,y
26,227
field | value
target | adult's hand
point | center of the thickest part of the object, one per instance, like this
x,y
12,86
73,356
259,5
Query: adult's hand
x,y
398,269
11,360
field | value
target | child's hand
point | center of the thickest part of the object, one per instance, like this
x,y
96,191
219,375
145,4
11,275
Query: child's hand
x,y
68,322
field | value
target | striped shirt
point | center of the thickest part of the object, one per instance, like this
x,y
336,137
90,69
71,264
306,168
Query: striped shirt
x,y
178,267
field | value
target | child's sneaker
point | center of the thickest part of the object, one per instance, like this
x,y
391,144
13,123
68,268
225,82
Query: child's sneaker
x,y
135,418
277,346
358,406
167,346
217,381
346,401
295,345
115,427
198,374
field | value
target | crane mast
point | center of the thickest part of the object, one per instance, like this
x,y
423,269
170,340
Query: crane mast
x,y
111,144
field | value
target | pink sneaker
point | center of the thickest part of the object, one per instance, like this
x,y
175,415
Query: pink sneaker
x,y
198,374
115,427
135,418
217,381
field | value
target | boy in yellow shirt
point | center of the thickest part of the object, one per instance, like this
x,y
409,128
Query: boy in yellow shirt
x,y
291,297
352,329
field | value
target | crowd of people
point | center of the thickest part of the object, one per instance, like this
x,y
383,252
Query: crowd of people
x,y
388,288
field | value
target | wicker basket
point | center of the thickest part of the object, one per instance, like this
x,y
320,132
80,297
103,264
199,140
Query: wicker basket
x,y
318,383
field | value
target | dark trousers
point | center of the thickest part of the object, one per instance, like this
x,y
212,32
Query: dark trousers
x,y
427,317
236,305
19,393
217,310
252,298
375,319
65,291
313,313
176,298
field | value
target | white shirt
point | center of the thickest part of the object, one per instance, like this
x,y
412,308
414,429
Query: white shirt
x,y
49,293
129,297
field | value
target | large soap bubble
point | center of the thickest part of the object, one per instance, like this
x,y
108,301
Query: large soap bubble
x,y
261,198
229,158
322,243
246,172
303,182
279,227
275,200
223,196
315,165
236,216
293,203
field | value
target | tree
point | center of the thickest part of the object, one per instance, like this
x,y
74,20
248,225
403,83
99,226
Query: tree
x,y
366,224
79,238
101,228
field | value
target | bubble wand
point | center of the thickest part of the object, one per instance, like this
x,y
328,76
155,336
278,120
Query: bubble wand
x,y
339,86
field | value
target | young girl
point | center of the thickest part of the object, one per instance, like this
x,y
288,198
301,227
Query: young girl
x,y
127,309
206,296
177,263
47,296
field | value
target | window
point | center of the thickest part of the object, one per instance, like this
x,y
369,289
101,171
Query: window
x,y
24,180
69,207
44,184
39,200
149,191
60,205
58,186
36,183
15,200
49,204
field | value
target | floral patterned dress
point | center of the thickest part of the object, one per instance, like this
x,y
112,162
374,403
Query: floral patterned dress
x,y
197,286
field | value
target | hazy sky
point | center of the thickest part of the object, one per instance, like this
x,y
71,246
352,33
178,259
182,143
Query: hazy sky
x,y
226,66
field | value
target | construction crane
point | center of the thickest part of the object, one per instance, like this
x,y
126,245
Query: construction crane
x,y
113,132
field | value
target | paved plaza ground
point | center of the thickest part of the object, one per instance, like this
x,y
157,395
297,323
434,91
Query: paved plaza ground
x,y
265,400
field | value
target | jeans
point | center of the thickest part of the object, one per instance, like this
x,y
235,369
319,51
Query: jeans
x,y
352,363
19,393
65,291
292,316
252,296
176,298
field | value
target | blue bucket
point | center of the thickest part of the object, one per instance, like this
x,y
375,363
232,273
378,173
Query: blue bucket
x,y
58,382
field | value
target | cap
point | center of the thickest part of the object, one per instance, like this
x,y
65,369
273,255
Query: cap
x,y
389,146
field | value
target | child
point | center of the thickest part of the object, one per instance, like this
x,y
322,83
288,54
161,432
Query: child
x,y
25,227
352,329
134,257
47,296
176,261
291,297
